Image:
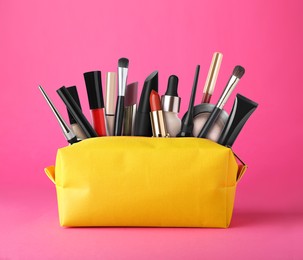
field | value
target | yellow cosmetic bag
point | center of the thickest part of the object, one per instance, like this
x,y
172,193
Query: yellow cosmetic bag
x,y
141,181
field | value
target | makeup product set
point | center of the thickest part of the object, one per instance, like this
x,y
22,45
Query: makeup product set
x,y
212,121
153,116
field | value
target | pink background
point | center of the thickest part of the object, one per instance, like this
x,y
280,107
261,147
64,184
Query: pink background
x,y
53,42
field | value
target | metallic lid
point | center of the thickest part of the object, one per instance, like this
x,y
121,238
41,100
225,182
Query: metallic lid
x,y
93,84
170,103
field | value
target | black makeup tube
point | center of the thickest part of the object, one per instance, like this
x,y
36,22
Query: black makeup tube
x,y
241,111
76,112
142,123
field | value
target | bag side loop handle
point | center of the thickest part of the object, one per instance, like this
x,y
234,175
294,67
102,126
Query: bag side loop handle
x,y
50,173
242,167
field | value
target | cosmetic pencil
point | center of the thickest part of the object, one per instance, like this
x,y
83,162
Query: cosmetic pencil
x,y
122,78
76,112
68,133
237,74
187,125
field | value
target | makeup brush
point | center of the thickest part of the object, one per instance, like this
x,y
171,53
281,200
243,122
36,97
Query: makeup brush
x,y
130,108
188,122
122,78
238,72
68,133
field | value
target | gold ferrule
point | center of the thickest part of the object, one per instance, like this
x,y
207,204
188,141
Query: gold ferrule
x,y
213,73
158,124
232,83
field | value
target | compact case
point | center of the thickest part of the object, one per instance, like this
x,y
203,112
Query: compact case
x,y
143,181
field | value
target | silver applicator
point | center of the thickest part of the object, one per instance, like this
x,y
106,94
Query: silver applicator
x,y
67,131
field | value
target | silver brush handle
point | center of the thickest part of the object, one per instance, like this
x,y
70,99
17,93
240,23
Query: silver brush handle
x,y
232,83
122,73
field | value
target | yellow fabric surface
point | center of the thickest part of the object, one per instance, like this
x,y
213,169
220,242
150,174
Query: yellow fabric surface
x,y
140,181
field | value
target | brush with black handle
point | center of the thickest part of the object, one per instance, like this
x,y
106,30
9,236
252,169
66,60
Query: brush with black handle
x,y
238,72
122,78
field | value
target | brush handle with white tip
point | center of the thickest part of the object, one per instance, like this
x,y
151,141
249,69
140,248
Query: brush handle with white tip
x,y
238,72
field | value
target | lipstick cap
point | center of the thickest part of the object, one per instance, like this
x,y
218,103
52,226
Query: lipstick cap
x,y
142,121
151,83
94,89
74,93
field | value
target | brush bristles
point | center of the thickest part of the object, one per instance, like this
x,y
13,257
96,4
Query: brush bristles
x,y
123,62
238,71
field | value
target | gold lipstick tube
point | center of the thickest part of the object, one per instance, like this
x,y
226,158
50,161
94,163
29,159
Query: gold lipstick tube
x,y
158,124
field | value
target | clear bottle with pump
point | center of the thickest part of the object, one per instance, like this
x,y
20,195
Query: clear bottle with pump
x,y
171,107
